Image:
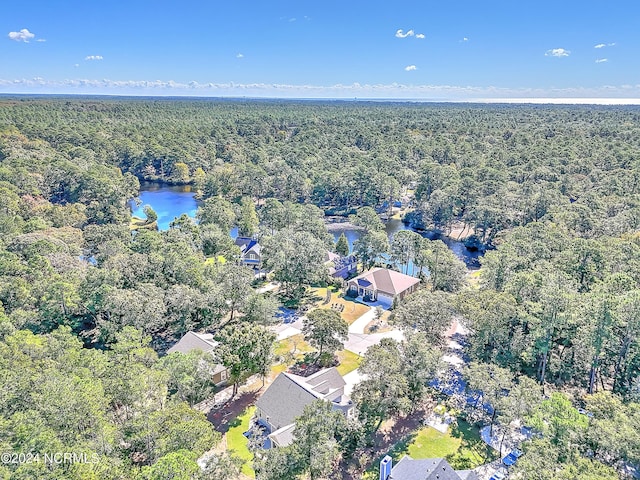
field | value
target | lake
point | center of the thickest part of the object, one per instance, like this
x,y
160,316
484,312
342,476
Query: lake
x,y
171,201
168,201
469,257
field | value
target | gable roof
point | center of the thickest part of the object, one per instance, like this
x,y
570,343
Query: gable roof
x,y
385,280
428,469
283,436
283,401
287,396
322,384
192,341
247,244
332,257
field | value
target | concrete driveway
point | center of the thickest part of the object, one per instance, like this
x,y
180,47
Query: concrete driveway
x,y
362,321
286,330
358,341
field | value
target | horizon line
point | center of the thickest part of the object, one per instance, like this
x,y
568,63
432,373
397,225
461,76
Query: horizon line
x,y
495,100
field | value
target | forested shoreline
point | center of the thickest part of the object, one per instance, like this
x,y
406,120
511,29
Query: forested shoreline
x,y
556,189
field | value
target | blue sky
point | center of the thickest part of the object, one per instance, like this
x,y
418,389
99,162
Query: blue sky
x,y
464,50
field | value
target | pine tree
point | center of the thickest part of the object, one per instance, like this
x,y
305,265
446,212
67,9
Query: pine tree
x,y
342,245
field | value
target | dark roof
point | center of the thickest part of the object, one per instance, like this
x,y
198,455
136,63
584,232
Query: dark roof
x,y
192,341
247,244
427,469
287,396
284,400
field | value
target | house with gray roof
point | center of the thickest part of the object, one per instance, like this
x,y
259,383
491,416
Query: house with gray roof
x,y
205,342
382,285
426,469
250,252
286,397
339,266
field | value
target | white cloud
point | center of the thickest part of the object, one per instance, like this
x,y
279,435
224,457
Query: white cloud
x,y
76,65
602,45
420,35
240,55
23,35
41,40
604,95
602,60
400,33
410,68
465,39
557,52
93,57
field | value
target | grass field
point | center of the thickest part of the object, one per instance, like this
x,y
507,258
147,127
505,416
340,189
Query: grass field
x,y
349,361
288,345
237,442
351,311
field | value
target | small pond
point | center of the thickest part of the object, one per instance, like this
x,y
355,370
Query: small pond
x,y
168,201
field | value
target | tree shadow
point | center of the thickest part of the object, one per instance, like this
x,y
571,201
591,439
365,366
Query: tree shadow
x,y
472,451
226,416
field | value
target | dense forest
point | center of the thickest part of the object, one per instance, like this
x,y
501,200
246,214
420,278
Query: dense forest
x,y
87,304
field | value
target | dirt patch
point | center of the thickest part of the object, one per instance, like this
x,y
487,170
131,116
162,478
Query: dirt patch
x,y
460,231
227,413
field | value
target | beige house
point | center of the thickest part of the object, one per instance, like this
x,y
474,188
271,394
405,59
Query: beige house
x,y
382,285
205,342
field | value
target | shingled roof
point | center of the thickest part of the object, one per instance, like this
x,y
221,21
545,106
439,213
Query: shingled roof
x,y
192,341
247,244
287,396
428,469
385,280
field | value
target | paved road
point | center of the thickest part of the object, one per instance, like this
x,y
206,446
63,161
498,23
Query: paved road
x,y
360,342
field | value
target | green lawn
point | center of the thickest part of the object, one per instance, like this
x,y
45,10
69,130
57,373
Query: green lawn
x,y
237,442
351,310
349,361
288,345
430,443
461,446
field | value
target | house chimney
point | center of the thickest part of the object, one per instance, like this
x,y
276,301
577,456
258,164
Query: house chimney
x,y
385,467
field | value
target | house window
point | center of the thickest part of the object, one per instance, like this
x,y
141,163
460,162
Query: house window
x,y
223,375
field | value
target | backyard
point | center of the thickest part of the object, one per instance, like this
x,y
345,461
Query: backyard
x,y
461,446
237,442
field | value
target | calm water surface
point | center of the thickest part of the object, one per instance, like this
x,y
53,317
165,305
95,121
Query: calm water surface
x,y
168,201
469,257
171,201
